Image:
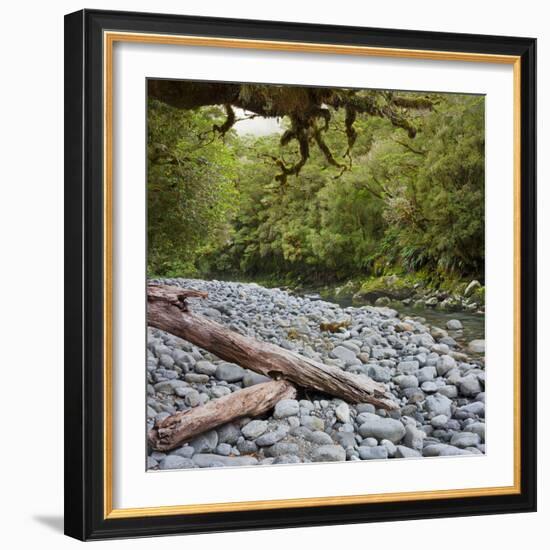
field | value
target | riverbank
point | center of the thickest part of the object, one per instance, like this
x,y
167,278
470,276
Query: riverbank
x,y
437,383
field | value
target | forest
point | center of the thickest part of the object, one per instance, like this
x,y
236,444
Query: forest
x,y
352,185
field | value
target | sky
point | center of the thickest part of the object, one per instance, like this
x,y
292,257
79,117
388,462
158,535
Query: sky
x,y
258,126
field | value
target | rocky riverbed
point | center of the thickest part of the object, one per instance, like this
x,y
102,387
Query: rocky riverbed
x,y
437,380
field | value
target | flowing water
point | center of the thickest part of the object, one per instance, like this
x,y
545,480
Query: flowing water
x,y
473,323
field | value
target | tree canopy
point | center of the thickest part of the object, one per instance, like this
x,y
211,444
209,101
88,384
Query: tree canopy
x,y
358,182
308,109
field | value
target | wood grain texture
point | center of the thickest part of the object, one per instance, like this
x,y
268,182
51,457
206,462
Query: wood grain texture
x,y
167,311
253,401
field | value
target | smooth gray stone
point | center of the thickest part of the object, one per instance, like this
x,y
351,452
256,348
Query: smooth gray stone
x,y
379,374
381,428
319,438
253,378
373,453
328,453
228,433
476,346
246,447
406,452
439,421
186,451
479,429
166,361
429,387
313,423
343,353
345,439
192,398
448,391
229,372
343,413
469,385
207,441
426,374
408,367
285,408
254,429
194,378
406,381
414,438
213,461
438,404
287,459
442,449
205,367
476,408
444,364
223,449
281,448
465,439
270,438
176,462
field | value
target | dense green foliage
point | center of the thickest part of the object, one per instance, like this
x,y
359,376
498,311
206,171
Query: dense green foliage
x,y
191,187
401,205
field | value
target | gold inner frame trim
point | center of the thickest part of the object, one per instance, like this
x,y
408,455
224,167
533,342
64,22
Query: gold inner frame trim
x,y
109,39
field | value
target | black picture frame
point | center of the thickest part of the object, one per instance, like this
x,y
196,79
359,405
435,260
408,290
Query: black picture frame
x,y
84,283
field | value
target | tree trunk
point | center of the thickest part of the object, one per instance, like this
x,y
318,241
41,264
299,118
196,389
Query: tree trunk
x,y
253,401
168,311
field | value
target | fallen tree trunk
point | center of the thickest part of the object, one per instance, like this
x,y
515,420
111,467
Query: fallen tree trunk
x,y
167,310
253,401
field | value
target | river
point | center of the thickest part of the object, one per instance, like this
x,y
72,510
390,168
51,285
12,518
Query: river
x,y
473,323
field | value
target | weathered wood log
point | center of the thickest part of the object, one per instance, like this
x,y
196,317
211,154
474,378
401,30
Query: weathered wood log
x,y
167,311
253,401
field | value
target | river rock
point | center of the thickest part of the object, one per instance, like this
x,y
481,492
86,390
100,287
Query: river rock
x,y
342,412
229,372
205,367
328,453
270,438
465,439
438,404
286,407
469,385
254,429
381,428
476,346
175,462
343,353
373,453
217,461
207,441
454,324
444,364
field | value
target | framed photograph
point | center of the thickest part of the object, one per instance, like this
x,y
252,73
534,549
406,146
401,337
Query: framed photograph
x,y
300,275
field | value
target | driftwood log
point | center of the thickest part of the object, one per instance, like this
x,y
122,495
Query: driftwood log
x,y
168,311
253,401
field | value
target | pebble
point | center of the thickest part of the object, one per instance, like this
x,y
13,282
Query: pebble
x,y
328,453
373,453
438,404
229,372
285,408
205,442
381,428
270,438
176,462
465,439
438,384
343,413
211,461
